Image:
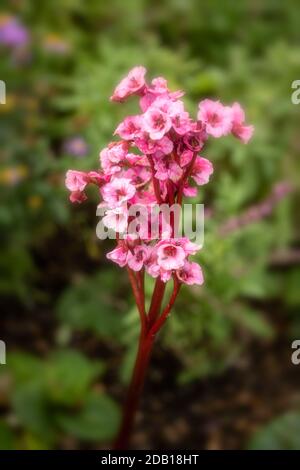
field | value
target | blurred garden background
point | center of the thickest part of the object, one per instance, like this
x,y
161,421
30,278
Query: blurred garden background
x,y
221,375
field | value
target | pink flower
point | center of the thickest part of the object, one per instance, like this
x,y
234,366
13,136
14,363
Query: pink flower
x,y
165,275
77,196
129,128
159,86
154,270
189,247
118,191
239,130
186,157
202,170
165,145
156,122
113,156
138,257
97,177
130,85
146,101
170,255
76,180
148,146
119,255
181,121
166,169
193,141
216,117
190,191
168,141
190,273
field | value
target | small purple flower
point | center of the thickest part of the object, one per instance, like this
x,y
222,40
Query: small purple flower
x,y
12,32
76,146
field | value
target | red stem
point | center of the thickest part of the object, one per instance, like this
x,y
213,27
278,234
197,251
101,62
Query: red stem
x,y
135,389
161,320
157,298
139,297
147,336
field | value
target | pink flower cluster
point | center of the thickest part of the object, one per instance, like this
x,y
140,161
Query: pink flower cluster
x,y
156,161
167,257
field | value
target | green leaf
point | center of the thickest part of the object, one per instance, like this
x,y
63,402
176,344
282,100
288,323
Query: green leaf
x,y
91,305
7,438
291,288
24,366
31,441
68,376
31,409
98,419
281,434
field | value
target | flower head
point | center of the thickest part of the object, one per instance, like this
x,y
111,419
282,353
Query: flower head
x,y
239,129
129,128
12,32
130,85
138,257
216,117
156,161
76,180
170,255
118,191
156,122
202,170
119,255
190,273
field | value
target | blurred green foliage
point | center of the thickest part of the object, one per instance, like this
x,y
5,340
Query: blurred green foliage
x,y
58,88
281,433
56,396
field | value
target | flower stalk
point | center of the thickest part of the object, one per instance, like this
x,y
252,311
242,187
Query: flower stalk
x,y
148,332
164,167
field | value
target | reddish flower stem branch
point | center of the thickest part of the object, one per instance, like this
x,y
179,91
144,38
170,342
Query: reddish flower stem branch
x,y
135,389
146,340
139,298
157,298
150,325
163,317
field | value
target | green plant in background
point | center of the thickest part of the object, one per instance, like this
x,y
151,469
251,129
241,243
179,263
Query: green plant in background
x,y
54,398
281,433
246,51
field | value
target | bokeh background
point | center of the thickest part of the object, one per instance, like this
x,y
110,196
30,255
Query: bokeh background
x,y
221,375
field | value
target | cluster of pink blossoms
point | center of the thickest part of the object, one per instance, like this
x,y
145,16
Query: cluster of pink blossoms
x,y
166,167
